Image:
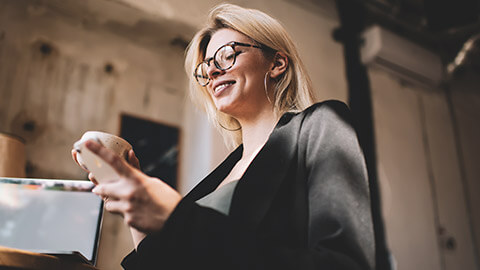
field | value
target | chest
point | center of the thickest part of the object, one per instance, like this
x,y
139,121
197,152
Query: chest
x,y
239,168
236,173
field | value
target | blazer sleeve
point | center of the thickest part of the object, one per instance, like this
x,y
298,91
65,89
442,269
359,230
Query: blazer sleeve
x,y
202,238
338,193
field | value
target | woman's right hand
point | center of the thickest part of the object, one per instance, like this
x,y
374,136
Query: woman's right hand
x,y
144,202
132,159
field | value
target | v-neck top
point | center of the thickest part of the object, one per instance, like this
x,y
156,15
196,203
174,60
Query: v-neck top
x,y
220,199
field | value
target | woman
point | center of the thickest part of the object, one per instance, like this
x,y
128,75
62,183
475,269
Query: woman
x,y
294,193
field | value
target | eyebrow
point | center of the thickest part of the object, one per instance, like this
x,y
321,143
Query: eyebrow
x,y
209,59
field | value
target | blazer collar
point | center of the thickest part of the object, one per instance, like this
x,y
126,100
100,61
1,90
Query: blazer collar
x,y
211,182
256,189
259,184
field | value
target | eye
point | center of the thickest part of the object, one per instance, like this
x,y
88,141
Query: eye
x,y
230,55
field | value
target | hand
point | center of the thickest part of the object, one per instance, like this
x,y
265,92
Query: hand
x,y
132,160
144,202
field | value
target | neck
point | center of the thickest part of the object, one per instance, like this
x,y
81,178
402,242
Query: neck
x,y
256,130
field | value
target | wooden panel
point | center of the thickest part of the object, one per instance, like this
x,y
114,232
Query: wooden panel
x,y
12,156
20,259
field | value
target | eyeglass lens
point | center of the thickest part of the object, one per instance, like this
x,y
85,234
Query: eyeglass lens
x,y
223,59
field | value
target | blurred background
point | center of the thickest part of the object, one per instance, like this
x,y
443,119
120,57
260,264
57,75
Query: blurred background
x,y
409,69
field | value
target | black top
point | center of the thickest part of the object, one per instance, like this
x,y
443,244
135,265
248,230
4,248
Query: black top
x,y
303,203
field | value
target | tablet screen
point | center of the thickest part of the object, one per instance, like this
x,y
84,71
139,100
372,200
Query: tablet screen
x,y
48,216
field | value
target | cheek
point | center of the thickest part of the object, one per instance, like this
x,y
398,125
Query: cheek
x,y
251,71
255,71
259,70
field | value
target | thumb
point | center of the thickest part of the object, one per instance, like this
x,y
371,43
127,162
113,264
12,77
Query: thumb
x,y
133,160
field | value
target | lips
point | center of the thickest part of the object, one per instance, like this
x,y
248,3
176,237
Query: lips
x,y
220,86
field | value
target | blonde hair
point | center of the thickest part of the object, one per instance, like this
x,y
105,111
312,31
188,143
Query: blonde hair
x,y
293,90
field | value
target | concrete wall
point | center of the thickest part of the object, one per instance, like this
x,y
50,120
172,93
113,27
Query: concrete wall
x,y
426,138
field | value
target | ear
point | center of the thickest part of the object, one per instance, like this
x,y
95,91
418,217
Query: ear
x,y
279,65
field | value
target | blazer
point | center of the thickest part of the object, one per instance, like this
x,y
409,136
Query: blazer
x,y
303,203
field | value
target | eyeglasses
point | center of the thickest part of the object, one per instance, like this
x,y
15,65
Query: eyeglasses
x,y
224,58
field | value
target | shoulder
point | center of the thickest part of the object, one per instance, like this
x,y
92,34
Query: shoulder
x,y
328,115
328,108
327,123
323,113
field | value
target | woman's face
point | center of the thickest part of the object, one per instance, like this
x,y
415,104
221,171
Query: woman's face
x,y
238,91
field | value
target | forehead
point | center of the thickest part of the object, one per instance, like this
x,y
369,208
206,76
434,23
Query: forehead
x,y
221,37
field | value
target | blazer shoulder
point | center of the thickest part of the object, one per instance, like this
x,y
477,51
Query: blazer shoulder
x,y
329,109
318,114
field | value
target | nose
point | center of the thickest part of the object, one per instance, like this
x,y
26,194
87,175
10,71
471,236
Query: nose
x,y
213,71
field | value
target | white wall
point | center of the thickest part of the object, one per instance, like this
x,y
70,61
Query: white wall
x,y
424,200
403,175
452,204
465,99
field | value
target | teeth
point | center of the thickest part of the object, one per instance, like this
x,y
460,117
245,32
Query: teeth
x,y
222,86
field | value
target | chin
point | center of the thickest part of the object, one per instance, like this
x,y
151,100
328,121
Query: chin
x,y
224,109
227,108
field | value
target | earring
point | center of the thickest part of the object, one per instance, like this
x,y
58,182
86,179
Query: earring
x,y
236,129
265,86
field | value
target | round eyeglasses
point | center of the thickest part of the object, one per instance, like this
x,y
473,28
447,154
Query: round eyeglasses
x,y
224,58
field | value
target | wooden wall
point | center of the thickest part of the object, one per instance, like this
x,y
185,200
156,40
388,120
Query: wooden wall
x,y
58,80
61,76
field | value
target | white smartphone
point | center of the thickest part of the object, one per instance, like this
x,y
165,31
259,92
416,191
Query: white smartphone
x,y
102,171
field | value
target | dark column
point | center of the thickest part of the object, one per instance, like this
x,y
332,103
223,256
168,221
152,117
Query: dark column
x,y
352,19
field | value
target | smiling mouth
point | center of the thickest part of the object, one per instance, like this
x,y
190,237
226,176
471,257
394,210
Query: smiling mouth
x,y
222,86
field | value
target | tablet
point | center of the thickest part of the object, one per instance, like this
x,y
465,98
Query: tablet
x,y
58,217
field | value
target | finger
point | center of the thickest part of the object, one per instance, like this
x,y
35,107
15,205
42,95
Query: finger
x,y
114,206
130,221
117,190
133,160
92,178
74,156
118,164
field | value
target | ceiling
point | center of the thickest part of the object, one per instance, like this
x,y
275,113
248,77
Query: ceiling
x,y
118,17
440,25
443,26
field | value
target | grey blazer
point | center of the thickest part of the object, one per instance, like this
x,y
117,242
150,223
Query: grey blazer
x,y
303,203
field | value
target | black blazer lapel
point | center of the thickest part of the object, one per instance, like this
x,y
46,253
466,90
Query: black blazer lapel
x,y
257,188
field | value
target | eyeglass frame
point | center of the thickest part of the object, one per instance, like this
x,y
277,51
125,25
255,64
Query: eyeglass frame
x,y
217,65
